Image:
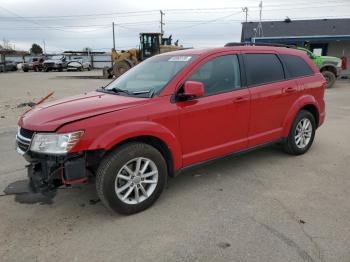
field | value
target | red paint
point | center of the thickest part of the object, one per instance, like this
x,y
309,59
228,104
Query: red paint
x,y
195,130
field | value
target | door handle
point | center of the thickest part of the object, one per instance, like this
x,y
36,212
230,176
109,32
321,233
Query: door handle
x,y
240,99
290,90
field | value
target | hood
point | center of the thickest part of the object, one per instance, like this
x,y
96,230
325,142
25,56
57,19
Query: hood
x,y
52,115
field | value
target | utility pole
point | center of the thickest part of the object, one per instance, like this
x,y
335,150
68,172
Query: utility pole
x,y
259,29
161,21
245,10
44,47
113,35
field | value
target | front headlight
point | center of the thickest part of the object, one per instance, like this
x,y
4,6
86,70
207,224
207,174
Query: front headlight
x,y
52,143
339,63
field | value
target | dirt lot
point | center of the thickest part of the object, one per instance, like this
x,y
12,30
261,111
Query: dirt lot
x,y
262,206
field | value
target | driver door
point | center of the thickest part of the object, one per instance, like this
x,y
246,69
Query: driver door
x,y
217,123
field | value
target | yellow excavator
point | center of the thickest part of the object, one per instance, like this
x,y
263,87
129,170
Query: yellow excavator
x,y
150,44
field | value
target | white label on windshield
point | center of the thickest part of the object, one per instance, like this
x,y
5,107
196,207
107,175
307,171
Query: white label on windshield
x,y
180,58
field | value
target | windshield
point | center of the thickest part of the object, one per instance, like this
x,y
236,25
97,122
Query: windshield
x,y
151,76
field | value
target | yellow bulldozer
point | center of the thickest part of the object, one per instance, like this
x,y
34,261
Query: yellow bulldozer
x,y
150,44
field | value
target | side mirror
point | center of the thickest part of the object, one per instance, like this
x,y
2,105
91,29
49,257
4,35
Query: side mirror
x,y
193,89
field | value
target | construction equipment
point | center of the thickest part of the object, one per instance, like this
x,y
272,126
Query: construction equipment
x,y
150,44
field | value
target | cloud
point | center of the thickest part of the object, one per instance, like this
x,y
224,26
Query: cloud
x,y
197,27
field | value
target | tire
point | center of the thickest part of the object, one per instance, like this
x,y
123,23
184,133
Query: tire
x,y
330,78
113,166
294,145
120,68
25,70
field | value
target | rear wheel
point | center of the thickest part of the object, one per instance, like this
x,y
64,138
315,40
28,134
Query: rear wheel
x,y
131,178
330,78
301,134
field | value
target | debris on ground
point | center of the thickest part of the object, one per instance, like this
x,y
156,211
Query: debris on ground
x,y
224,245
24,194
30,104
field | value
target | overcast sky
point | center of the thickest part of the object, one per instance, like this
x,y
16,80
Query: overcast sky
x,y
73,25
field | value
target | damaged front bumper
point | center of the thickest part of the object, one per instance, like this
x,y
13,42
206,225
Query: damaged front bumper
x,y
46,173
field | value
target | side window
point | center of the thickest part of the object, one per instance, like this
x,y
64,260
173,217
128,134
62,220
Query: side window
x,y
296,66
218,75
263,69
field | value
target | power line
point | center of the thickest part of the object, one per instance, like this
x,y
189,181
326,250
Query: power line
x,y
151,12
207,22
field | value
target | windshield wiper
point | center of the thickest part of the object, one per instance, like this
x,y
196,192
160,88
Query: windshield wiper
x,y
118,90
141,92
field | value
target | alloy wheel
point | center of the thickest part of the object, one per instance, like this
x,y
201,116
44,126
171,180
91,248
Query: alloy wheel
x,y
303,133
136,180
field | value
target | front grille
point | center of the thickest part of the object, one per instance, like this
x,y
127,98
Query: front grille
x,y
23,140
26,133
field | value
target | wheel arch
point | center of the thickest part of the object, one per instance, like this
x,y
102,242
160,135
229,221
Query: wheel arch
x,y
157,143
330,68
308,103
147,132
314,111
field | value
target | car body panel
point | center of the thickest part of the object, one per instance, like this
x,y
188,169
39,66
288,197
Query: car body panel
x,y
194,131
50,116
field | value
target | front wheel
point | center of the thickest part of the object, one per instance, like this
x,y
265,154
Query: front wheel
x,y
301,134
131,178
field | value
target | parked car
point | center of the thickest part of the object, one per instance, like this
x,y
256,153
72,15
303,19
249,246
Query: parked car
x,y
329,66
8,66
58,63
78,65
35,64
169,113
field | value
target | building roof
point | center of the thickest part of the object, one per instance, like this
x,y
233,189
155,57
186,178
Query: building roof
x,y
299,28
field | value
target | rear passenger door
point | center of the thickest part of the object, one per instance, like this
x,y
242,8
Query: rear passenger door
x,y
272,95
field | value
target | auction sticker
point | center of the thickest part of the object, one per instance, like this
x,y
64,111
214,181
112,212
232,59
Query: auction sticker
x,y
180,58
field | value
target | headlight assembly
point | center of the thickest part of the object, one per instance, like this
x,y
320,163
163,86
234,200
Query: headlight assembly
x,y
52,143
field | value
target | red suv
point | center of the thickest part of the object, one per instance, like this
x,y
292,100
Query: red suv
x,y
171,112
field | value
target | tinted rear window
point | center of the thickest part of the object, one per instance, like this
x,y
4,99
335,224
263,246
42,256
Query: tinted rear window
x,y
263,68
296,66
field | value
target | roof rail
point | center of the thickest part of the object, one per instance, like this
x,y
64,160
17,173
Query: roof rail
x,y
259,44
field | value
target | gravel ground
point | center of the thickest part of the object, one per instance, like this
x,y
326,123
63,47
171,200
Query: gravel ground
x,y
261,206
